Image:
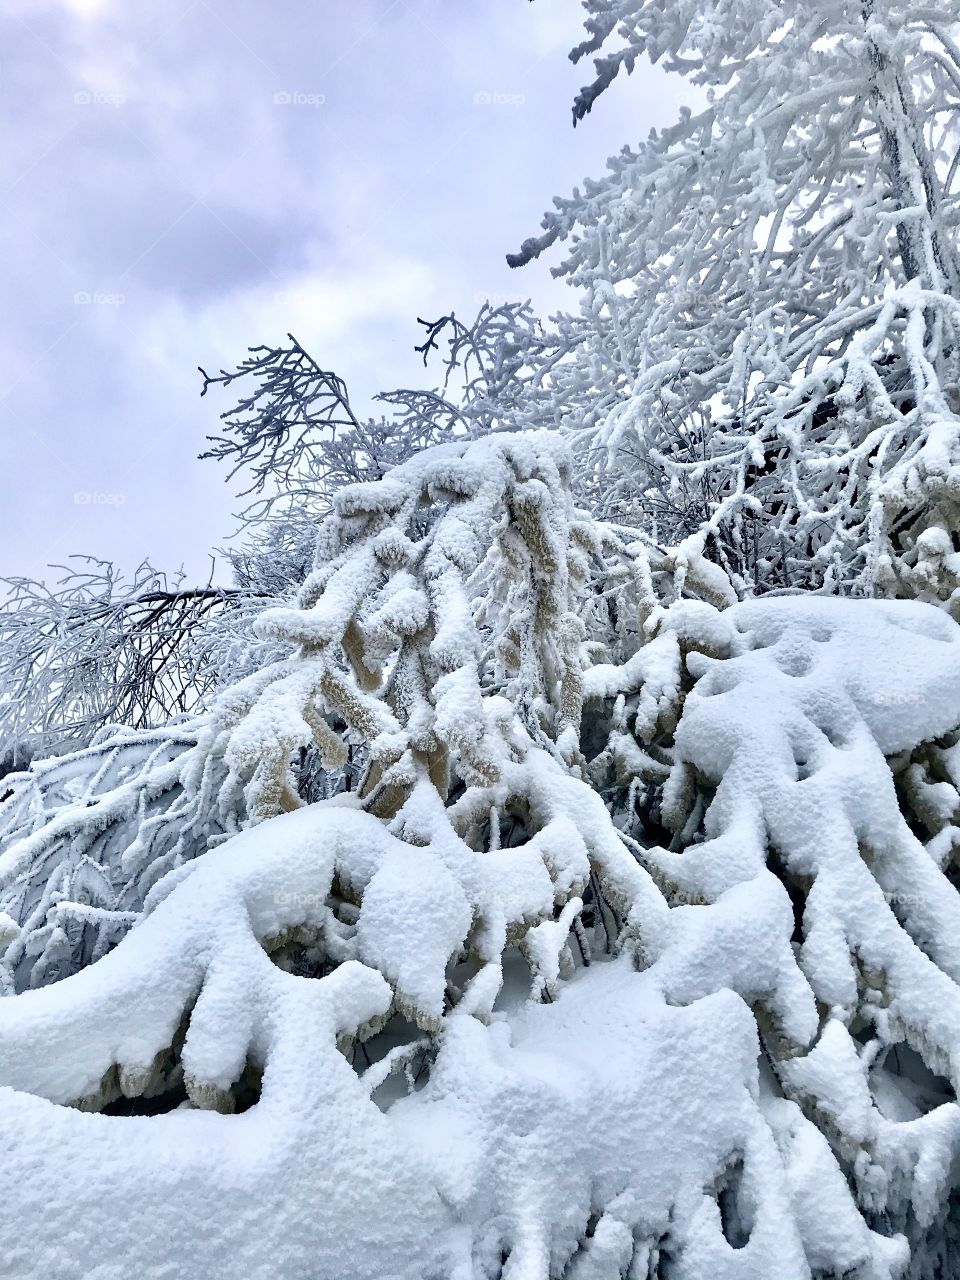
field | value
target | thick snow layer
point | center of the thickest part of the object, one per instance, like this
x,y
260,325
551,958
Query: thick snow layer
x,y
791,720
584,1105
529,1129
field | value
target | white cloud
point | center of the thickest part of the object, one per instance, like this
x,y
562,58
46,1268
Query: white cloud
x,y
86,9
226,218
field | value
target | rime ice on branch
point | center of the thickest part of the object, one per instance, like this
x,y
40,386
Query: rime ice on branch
x,y
767,347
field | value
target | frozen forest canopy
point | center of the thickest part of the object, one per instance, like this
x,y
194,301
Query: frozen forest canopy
x,y
542,859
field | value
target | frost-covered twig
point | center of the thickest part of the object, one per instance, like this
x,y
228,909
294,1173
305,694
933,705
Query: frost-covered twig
x,y
97,650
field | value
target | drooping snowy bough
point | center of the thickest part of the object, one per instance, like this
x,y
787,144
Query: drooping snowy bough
x,y
630,949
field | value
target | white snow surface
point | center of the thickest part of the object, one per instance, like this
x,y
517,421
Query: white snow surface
x,y
583,1136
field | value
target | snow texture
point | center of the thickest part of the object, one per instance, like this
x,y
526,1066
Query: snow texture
x,y
462,1022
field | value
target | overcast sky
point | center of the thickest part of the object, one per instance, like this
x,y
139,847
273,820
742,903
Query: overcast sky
x,y
185,179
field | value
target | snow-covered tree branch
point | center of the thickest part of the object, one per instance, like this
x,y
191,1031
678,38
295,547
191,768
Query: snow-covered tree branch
x,y
97,650
500,658
770,292
543,863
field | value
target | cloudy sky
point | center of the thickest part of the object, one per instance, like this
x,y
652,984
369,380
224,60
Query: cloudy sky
x,y
183,180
